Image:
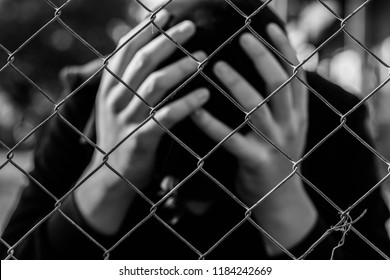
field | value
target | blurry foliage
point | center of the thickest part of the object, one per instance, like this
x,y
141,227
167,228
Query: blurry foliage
x,y
98,22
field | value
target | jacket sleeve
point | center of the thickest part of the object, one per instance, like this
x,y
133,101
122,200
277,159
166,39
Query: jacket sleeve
x,y
343,172
43,220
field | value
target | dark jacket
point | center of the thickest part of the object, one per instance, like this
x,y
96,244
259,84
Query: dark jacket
x,y
47,224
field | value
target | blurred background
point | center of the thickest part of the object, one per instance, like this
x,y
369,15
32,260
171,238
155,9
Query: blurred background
x,y
39,57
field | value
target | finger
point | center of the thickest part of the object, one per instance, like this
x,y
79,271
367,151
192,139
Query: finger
x,y
279,38
272,72
245,94
144,60
283,45
158,83
129,44
153,53
176,111
218,131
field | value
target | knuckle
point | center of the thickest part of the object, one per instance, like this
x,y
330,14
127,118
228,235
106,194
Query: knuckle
x,y
166,116
155,82
142,58
275,84
113,101
260,115
186,66
122,41
110,102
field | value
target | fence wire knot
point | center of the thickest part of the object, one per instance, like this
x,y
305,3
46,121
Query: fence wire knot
x,y
10,252
344,226
106,255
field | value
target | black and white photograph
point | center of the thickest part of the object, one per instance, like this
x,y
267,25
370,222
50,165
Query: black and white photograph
x,y
195,130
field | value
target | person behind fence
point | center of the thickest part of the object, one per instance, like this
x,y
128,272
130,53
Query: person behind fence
x,y
125,172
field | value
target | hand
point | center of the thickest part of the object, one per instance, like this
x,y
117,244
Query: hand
x,y
123,128
119,113
283,120
286,214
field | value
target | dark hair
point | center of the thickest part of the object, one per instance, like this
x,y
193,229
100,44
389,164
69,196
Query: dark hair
x,y
216,22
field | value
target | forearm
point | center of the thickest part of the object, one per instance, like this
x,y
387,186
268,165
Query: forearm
x,y
103,199
288,215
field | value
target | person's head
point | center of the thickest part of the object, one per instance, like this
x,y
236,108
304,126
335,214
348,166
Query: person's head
x,y
216,22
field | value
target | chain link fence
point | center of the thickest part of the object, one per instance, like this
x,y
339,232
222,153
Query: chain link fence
x,y
346,222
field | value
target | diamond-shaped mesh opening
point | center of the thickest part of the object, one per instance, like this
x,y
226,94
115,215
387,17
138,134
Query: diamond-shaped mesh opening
x,y
25,17
53,40
106,20
339,166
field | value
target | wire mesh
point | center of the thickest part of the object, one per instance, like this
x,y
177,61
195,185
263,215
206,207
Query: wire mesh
x,y
346,222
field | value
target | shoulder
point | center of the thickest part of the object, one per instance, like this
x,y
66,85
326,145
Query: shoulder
x,y
332,95
331,105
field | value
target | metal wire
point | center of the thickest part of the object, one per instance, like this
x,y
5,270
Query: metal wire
x,y
345,224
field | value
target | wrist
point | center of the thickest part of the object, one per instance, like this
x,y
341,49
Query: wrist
x,y
100,174
103,198
287,214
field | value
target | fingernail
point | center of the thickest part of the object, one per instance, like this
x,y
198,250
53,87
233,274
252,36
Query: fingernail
x,y
186,26
200,55
203,95
248,39
162,16
222,69
274,28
